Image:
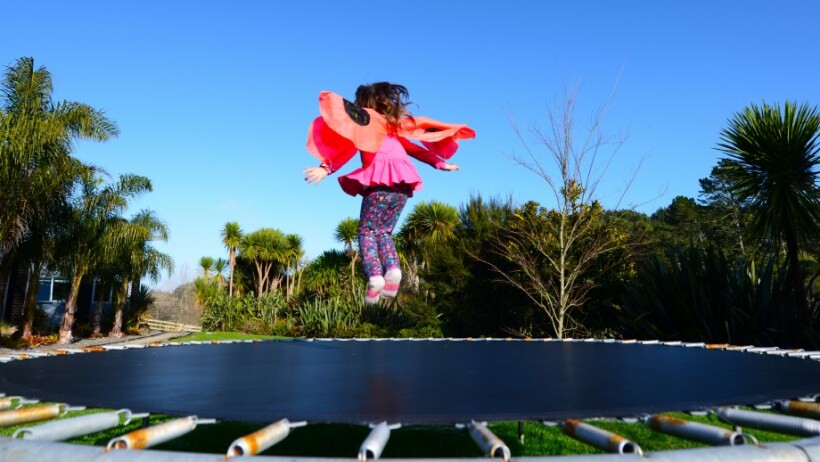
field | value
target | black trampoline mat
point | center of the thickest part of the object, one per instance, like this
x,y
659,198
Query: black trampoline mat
x,y
411,382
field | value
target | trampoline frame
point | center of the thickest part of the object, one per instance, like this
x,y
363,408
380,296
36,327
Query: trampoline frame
x,y
807,449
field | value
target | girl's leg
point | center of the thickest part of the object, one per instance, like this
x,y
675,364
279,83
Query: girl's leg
x,y
393,205
368,246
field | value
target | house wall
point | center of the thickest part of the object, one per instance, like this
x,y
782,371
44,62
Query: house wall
x,y
51,293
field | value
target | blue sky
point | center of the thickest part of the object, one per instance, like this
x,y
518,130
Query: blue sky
x,y
213,99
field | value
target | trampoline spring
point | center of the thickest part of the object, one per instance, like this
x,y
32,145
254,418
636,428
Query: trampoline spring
x,y
487,441
782,352
709,434
799,426
94,349
799,408
60,430
599,438
374,444
72,351
803,354
30,414
738,347
152,436
260,440
760,350
13,402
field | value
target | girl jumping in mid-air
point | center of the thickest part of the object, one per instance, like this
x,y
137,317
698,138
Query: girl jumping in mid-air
x,y
379,126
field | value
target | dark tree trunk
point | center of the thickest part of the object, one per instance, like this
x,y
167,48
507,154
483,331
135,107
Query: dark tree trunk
x,y
65,336
118,311
30,305
135,290
98,312
801,302
5,269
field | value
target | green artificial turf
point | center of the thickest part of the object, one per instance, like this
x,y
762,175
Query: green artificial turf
x,y
336,440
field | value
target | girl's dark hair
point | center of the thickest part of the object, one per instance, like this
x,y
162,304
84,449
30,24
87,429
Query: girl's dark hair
x,y
388,99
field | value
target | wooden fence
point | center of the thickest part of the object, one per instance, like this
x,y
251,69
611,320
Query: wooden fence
x,y
156,324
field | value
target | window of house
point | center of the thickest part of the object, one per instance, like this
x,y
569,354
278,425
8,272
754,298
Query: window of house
x,y
53,289
44,293
59,291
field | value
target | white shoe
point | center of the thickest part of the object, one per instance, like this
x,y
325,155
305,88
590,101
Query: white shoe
x,y
375,284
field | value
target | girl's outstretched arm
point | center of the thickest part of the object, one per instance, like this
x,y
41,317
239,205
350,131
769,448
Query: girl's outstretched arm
x,y
422,154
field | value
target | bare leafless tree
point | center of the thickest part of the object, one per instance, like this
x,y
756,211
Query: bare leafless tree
x,y
557,252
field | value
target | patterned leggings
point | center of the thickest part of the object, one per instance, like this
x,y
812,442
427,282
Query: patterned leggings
x,y
381,208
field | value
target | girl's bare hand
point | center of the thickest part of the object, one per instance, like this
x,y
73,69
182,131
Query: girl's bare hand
x,y
451,167
313,175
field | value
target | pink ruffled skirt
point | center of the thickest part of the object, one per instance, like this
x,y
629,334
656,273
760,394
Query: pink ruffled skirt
x,y
390,166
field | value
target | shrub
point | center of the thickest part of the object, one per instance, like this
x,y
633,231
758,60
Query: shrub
x,y
247,313
700,295
424,331
329,318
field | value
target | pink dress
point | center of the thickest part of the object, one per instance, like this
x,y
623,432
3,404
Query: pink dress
x,y
389,166
343,128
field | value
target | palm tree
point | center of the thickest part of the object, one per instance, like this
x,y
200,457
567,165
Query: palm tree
x,y
146,257
264,248
36,138
231,236
347,232
38,249
774,154
293,256
206,264
137,258
432,223
92,232
103,287
219,271
428,225
107,270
